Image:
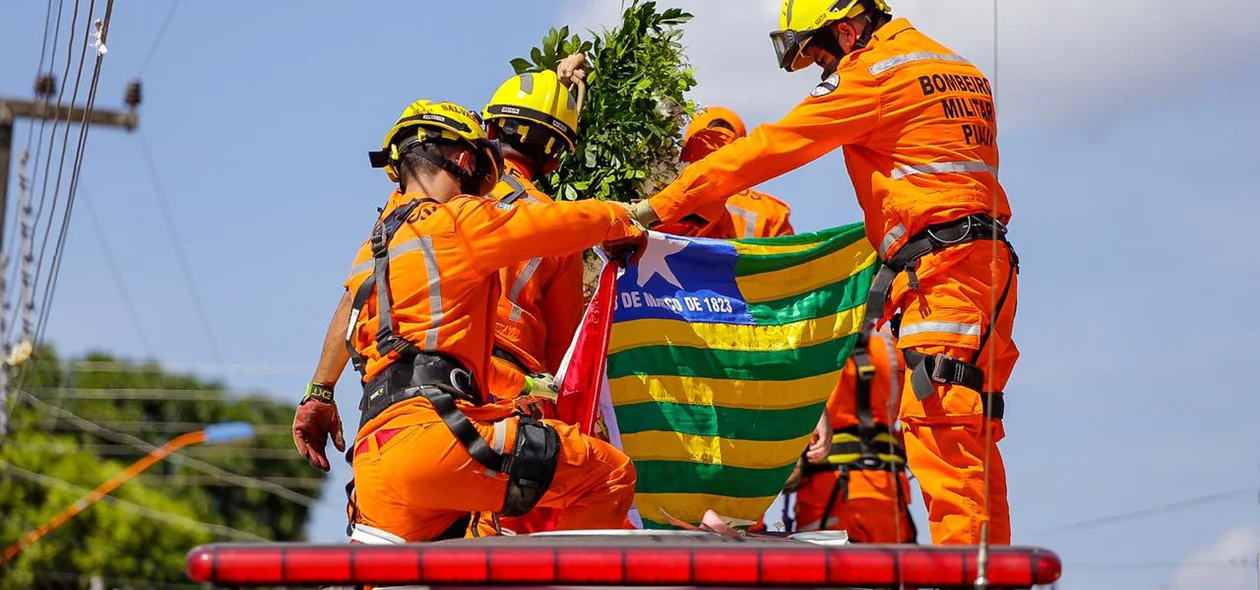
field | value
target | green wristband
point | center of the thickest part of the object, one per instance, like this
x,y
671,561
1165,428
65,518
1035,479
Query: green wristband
x,y
315,391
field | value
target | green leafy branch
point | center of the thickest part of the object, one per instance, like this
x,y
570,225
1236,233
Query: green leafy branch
x,y
635,105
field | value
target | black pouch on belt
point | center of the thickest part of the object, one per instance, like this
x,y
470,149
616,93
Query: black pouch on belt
x,y
531,467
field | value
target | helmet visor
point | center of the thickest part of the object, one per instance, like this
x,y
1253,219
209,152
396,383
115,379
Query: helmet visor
x,y
789,47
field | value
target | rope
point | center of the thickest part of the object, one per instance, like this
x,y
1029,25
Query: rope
x,y
982,561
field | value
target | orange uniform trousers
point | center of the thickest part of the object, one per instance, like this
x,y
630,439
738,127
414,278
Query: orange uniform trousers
x,y
415,480
871,514
948,442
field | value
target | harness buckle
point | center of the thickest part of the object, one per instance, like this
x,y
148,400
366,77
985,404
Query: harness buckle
x,y
866,372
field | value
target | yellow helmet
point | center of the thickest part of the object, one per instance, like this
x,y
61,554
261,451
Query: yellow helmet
x,y
425,121
801,19
537,107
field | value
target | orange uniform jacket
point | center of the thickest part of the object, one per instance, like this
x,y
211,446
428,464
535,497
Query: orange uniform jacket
x,y
444,271
911,166
541,304
747,214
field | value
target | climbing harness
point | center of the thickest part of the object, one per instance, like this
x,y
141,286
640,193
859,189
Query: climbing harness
x,y
866,446
443,380
942,368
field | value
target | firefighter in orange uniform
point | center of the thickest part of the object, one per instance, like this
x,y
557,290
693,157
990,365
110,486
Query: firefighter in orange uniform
x,y
862,487
534,118
433,445
746,214
917,125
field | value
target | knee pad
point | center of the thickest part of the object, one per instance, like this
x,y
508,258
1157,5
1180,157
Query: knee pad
x,y
532,466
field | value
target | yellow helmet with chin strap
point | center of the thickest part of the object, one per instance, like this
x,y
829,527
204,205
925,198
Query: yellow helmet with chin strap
x,y
799,20
538,108
425,122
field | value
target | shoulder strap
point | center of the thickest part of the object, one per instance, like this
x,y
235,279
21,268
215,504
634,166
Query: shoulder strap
x,y
865,377
386,339
518,190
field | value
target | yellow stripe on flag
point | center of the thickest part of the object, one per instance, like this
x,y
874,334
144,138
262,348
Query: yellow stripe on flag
x,y
802,278
743,338
729,393
690,507
677,446
772,249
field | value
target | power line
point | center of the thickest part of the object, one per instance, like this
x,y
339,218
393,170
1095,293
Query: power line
x,y
158,515
1103,521
121,284
174,427
157,40
122,366
42,122
146,394
185,268
309,483
127,450
76,169
241,480
65,140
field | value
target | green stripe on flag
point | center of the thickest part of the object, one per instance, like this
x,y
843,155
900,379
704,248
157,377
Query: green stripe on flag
x,y
778,365
732,424
829,241
676,477
840,296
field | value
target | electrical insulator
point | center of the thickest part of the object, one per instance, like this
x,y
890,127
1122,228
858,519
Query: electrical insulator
x,y
45,86
133,94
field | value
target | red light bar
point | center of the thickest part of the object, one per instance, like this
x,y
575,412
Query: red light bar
x,y
595,562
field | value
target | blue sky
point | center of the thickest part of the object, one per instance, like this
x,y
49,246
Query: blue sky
x,y
1125,151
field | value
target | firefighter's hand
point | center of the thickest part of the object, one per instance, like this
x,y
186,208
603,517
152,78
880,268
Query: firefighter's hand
x,y
626,250
572,68
642,213
820,442
315,420
539,387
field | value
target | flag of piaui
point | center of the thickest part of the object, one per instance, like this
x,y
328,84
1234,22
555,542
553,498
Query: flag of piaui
x,y
720,358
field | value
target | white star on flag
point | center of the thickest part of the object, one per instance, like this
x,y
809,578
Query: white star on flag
x,y
653,260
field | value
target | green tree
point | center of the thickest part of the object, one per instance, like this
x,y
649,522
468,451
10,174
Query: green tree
x,y
48,454
635,107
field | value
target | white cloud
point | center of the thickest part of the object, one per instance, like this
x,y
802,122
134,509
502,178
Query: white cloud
x,y
1228,564
1058,59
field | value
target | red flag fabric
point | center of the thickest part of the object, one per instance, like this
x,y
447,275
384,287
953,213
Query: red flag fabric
x,y
584,371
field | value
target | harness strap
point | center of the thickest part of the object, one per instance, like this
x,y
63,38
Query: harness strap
x,y
862,388
509,357
386,339
518,190
942,368
970,228
459,425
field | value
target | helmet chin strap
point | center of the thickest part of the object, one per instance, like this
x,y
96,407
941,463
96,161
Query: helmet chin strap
x,y
829,41
467,182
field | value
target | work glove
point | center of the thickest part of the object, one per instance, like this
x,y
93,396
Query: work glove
x,y
628,249
572,68
540,387
316,418
540,394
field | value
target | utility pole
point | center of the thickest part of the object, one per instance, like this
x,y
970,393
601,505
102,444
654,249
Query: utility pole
x,y
44,109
